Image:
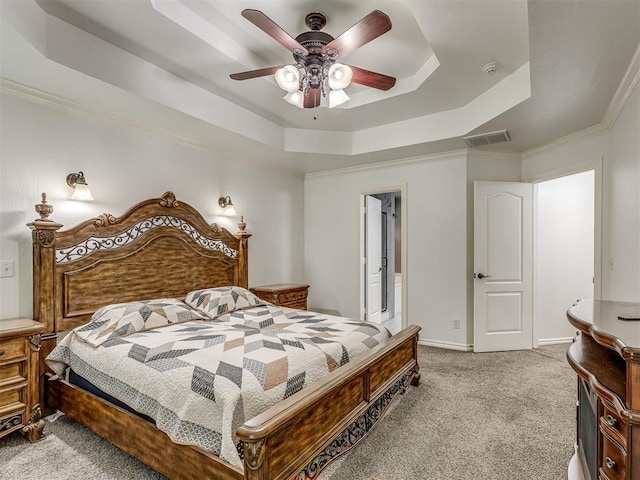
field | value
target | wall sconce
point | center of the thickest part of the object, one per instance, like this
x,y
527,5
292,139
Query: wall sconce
x,y
225,202
80,188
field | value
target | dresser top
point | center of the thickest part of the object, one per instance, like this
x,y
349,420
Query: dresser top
x,y
604,320
17,327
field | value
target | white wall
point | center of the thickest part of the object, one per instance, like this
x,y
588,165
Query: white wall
x,y
620,152
564,251
40,145
436,248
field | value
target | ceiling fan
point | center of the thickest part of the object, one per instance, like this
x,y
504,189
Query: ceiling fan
x,y
316,73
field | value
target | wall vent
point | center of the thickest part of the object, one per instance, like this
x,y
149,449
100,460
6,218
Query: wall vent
x,y
487,138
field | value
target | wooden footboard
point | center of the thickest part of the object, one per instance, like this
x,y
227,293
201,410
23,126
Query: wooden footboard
x,y
295,439
301,435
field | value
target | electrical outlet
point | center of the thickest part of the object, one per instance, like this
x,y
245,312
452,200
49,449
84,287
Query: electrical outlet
x,y
456,323
6,269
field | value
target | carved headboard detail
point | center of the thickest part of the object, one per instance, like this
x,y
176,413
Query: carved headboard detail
x,y
159,248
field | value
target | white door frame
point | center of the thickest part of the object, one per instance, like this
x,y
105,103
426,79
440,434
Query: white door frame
x,y
596,166
403,242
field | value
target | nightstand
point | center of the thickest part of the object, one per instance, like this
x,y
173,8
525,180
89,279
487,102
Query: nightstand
x,y
284,294
19,407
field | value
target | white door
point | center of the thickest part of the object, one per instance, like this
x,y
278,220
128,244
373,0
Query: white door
x,y
373,257
503,266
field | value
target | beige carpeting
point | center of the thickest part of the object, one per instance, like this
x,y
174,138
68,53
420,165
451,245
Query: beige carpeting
x,y
493,416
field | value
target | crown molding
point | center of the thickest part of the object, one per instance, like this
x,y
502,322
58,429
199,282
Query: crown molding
x,y
628,83
34,95
617,104
590,132
494,155
433,157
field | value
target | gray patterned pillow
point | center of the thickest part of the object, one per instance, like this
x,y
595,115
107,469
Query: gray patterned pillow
x,y
123,319
218,301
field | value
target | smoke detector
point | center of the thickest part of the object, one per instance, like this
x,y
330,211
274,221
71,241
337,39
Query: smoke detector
x,y
490,68
487,138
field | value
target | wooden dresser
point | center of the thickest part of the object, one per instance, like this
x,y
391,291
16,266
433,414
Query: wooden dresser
x,y
285,294
19,389
606,357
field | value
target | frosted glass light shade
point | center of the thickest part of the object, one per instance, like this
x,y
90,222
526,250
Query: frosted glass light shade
x,y
337,97
339,76
295,98
81,192
288,78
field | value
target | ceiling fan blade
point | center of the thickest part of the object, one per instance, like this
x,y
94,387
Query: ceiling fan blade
x,y
313,99
272,29
255,73
367,29
372,79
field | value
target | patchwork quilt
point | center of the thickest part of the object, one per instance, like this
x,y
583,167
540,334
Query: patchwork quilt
x,y
201,379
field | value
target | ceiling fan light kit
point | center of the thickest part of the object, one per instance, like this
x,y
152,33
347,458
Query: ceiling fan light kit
x,y
316,78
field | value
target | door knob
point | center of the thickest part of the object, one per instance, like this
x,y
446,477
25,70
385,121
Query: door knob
x,y
482,275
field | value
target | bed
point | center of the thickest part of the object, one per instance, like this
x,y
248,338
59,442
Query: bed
x,y
163,249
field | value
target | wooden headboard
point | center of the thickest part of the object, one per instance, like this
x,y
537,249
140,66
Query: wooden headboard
x,y
159,248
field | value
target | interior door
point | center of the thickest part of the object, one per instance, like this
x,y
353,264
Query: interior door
x,y
373,257
503,266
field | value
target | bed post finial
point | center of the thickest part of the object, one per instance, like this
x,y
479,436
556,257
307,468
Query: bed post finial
x,y
44,209
243,254
44,260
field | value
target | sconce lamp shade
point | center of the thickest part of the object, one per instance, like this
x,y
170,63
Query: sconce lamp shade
x,y
339,76
80,188
229,209
288,78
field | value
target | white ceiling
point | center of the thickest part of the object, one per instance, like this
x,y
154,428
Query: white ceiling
x,y
164,65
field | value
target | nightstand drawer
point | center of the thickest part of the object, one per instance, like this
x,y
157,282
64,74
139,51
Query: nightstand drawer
x,y
284,294
19,377
13,396
301,305
290,297
11,421
11,349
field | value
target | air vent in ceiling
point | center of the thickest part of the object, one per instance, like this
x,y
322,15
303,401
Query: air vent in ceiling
x,y
487,138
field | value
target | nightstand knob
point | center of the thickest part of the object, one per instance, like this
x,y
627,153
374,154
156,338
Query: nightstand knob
x,y
611,465
1,352
611,421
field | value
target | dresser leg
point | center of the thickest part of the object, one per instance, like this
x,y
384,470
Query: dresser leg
x,y
33,430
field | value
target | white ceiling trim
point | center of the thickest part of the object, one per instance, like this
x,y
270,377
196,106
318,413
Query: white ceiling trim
x,y
74,48
628,83
8,87
67,45
434,157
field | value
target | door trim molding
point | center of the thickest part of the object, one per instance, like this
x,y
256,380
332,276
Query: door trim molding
x,y
597,166
404,220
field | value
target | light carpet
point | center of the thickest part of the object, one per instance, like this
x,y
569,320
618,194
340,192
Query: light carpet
x,y
493,416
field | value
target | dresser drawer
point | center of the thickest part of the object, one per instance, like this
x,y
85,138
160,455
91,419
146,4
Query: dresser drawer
x,y
614,459
12,349
613,425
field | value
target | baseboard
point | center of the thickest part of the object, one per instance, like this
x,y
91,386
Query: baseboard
x,y
448,345
554,341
